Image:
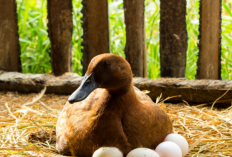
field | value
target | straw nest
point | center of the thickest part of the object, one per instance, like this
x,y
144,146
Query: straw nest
x,y
28,124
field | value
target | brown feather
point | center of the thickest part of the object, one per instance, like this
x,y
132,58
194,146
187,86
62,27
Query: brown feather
x,y
117,115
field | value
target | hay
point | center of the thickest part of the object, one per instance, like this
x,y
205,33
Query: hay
x,y
28,123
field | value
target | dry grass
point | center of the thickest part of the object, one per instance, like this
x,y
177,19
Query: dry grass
x,y
19,119
26,119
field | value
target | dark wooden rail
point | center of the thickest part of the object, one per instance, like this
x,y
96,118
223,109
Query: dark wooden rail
x,y
192,91
173,36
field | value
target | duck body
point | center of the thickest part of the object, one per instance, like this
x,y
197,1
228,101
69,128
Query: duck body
x,y
121,117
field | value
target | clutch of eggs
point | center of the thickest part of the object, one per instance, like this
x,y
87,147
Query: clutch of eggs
x,y
168,149
174,145
141,152
107,152
180,141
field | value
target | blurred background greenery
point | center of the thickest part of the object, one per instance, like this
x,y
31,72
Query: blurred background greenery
x,y
35,44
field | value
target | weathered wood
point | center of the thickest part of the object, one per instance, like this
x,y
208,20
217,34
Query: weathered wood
x,y
9,38
134,50
145,54
95,25
60,27
209,62
192,91
173,38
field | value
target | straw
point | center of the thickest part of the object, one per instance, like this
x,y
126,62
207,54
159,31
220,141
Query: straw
x,y
28,121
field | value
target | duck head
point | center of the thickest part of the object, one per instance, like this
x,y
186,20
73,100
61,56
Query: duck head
x,y
108,71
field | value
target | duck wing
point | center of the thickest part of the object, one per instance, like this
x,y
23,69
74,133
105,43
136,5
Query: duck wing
x,y
71,115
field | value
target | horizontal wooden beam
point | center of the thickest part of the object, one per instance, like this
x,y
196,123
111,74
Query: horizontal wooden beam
x,y
192,91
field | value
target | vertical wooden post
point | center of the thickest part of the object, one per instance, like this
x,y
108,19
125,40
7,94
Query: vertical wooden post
x,y
95,25
173,38
9,38
135,41
60,27
209,62
144,53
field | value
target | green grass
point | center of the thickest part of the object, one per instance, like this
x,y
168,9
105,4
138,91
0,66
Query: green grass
x,y
33,35
35,44
227,40
76,38
192,21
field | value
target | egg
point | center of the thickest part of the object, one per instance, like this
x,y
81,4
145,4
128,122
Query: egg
x,y
107,152
142,152
180,141
168,149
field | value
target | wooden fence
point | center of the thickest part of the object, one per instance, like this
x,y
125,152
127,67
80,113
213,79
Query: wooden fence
x,y
173,36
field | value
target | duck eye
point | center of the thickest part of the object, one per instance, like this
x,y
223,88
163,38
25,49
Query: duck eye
x,y
87,83
106,64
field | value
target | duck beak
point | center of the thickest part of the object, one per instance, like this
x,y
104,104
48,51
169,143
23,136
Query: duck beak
x,y
86,87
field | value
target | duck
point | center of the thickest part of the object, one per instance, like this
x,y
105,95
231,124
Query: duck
x,y
108,111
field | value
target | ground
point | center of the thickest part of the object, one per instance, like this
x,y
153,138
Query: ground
x,y
28,124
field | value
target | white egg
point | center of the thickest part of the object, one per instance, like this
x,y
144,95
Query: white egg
x,y
180,141
142,152
107,152
168,149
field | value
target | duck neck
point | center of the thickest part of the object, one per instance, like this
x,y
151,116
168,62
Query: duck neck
x,y
127,93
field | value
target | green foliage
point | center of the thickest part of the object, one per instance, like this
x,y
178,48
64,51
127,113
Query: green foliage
x,y
152,19
32,16
76,38
226,69
33,35
192,21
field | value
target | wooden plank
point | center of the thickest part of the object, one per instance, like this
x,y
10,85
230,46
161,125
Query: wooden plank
x,y
173,38
209,62
95,25
192,91
9,38
145,54
135,40
60,27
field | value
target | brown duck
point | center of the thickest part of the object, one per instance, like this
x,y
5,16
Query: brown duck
x,y
106,110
